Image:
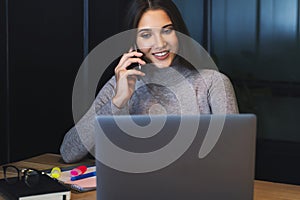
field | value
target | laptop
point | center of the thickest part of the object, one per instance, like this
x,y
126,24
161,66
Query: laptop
x,y
207,157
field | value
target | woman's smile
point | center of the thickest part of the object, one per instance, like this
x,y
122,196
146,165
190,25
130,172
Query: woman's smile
x,y
161,55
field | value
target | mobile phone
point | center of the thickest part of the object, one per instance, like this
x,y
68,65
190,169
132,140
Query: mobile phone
x,y
136,65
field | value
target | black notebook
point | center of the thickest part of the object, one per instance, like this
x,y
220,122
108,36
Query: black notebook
x,y
47,188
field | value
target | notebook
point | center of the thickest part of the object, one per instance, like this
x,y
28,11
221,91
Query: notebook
x,y
82,185
208,157
47,188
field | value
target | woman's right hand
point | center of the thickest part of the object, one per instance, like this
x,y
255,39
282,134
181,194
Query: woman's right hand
x,y
126,78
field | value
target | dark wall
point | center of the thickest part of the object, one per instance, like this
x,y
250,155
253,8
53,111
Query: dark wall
x,y
256,43
3,84
105,22
45,51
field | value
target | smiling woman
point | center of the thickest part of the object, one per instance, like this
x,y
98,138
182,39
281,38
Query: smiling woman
x,y
163,83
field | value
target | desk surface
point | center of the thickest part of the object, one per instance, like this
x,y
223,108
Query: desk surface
x,y
262,190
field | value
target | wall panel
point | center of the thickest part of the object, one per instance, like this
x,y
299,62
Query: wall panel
x,y
256,44
3,85
45,52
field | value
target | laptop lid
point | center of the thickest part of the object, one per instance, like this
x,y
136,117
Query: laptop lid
x,y
175,157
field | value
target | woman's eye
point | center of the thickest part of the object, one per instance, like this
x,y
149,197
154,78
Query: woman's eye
x,y
145,35
167,31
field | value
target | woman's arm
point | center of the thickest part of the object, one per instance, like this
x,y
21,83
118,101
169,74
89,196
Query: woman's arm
x,y
111,100
221,95
79,140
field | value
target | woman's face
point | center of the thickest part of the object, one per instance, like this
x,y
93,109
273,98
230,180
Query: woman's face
x,y
156,38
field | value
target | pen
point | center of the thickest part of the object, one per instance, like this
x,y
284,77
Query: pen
x,y
82,176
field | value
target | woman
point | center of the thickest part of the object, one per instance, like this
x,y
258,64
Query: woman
x,y
164,82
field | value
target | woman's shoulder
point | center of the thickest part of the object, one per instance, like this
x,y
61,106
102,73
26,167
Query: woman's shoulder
x,y
110,82
210,78
209,74
108,86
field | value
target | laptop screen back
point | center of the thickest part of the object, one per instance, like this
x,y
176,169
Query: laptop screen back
x,y
186,157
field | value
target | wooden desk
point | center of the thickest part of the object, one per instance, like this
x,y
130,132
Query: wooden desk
x,y
262,190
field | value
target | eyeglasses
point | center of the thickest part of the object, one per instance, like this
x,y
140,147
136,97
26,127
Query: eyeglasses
x,y
13,174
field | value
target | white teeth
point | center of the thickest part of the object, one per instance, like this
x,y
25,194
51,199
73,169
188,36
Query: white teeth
x,y
161,54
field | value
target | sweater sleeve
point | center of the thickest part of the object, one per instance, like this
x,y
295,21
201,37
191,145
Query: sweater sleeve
x,y
80,139
221,95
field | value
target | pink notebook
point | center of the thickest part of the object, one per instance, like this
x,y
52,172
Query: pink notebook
x,y
82,185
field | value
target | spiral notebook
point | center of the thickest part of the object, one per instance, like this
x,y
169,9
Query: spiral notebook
x,y
83,185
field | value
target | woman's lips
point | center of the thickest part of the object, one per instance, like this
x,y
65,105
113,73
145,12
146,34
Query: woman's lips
x,y
161,55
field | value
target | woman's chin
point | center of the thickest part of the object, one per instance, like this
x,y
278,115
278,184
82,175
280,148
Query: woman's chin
x,y
160,64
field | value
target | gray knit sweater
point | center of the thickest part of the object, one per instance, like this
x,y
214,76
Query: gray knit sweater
x,y
161,91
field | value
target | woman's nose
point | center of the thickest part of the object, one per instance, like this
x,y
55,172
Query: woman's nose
x,y
159,41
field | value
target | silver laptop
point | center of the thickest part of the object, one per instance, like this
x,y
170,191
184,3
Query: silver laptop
x,y
207,157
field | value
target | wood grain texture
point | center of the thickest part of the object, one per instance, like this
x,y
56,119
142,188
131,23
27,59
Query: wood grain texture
x,y
263,190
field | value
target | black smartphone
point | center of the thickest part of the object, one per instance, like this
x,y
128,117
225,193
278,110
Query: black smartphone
x,y
136,65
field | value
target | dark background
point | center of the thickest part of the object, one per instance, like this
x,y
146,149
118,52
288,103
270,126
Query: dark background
x,y
254,42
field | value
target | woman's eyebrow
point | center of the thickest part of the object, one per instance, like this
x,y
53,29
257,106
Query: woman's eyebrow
x,y
165,26
145,29
149,29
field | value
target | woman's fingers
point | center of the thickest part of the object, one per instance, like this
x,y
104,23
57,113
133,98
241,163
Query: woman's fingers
x,y
126,78
131,49
126,73
130,55
129,58
133,60
135,72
